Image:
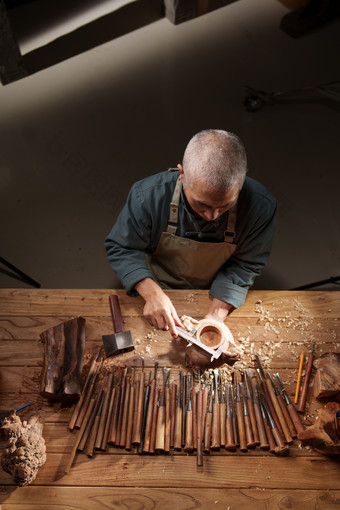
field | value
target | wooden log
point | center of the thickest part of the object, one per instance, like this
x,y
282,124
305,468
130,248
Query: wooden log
x,y
323,435
327,376
63,360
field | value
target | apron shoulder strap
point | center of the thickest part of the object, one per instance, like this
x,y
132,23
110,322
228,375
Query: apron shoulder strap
x,y
173,215
230,232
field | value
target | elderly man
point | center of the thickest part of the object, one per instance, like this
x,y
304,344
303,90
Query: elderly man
x,y
204,225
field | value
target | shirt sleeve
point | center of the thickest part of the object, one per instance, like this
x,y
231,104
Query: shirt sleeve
x,y
129,238
237,275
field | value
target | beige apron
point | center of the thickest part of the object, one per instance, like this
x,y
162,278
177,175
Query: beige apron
x,y
181,263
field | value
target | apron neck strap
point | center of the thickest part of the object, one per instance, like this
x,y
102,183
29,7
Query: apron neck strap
x,y
229,233
173,216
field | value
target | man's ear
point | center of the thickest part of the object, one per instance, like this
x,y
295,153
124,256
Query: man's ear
x,y
180,168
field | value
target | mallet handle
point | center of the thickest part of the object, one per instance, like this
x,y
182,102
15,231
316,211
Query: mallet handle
x,y
116,313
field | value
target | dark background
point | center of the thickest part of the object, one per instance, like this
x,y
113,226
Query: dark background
x,y
114,96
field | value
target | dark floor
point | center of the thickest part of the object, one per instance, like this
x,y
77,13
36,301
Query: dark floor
x,y
76,135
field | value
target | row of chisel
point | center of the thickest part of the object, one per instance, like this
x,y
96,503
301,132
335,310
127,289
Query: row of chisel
x,y
124,410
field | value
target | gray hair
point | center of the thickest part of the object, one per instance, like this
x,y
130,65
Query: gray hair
x,y
216,159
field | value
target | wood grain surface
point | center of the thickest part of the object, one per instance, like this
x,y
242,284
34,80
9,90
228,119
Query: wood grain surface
x,y
278,326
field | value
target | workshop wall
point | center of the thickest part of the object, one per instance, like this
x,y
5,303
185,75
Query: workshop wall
x,y
75,135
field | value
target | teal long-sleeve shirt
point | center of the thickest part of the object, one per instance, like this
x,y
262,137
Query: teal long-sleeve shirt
x,y
145,216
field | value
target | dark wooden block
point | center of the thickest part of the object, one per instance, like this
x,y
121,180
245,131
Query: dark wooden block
x,y
63,360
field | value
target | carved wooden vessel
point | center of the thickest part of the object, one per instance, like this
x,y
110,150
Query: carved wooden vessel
x,y
214,334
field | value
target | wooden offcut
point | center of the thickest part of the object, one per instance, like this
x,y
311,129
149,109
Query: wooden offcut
x,y
63,360
327,377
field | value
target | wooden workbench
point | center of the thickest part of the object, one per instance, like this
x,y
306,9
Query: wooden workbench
x,y
277,325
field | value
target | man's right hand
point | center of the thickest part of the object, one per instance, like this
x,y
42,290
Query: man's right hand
x,y
158,310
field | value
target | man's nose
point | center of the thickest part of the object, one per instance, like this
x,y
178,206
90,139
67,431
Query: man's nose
x,y
211,214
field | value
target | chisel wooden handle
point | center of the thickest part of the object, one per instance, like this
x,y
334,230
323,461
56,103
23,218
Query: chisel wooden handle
x,y
140,404
84,407
278,438
135,412
216,428
114,417
167,421
103,416
123,429
189,445
173,391
82,396
178,429
284,428
286,415
194,415
230,442
205,393
154,422
199,429
295,418
94,428
80,435
145,410
121,410
89,424
260,427
235,430
108,420
92,437
160,429
269,435
241,427
148,425
265,385
207,432
304,392
253,421
223,423
249,433
128,443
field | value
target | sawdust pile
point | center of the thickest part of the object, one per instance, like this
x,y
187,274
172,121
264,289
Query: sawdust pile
x,y
25,452
279,328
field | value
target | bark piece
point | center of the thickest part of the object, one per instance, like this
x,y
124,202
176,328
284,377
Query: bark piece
x,y
327,376
63,360
322,436
25,452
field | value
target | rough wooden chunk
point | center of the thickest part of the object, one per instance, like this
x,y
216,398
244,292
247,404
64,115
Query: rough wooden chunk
x,y
327,376
63,360
322,436
25,452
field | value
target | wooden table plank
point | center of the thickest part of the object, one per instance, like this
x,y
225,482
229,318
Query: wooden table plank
x,y
106,498
29,328
218,472
94,302
168,352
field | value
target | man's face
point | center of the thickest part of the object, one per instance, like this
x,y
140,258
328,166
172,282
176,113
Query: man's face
x,y
209,205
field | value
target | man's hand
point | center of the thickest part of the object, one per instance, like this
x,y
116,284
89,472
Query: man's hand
x,y
158,310
219,310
